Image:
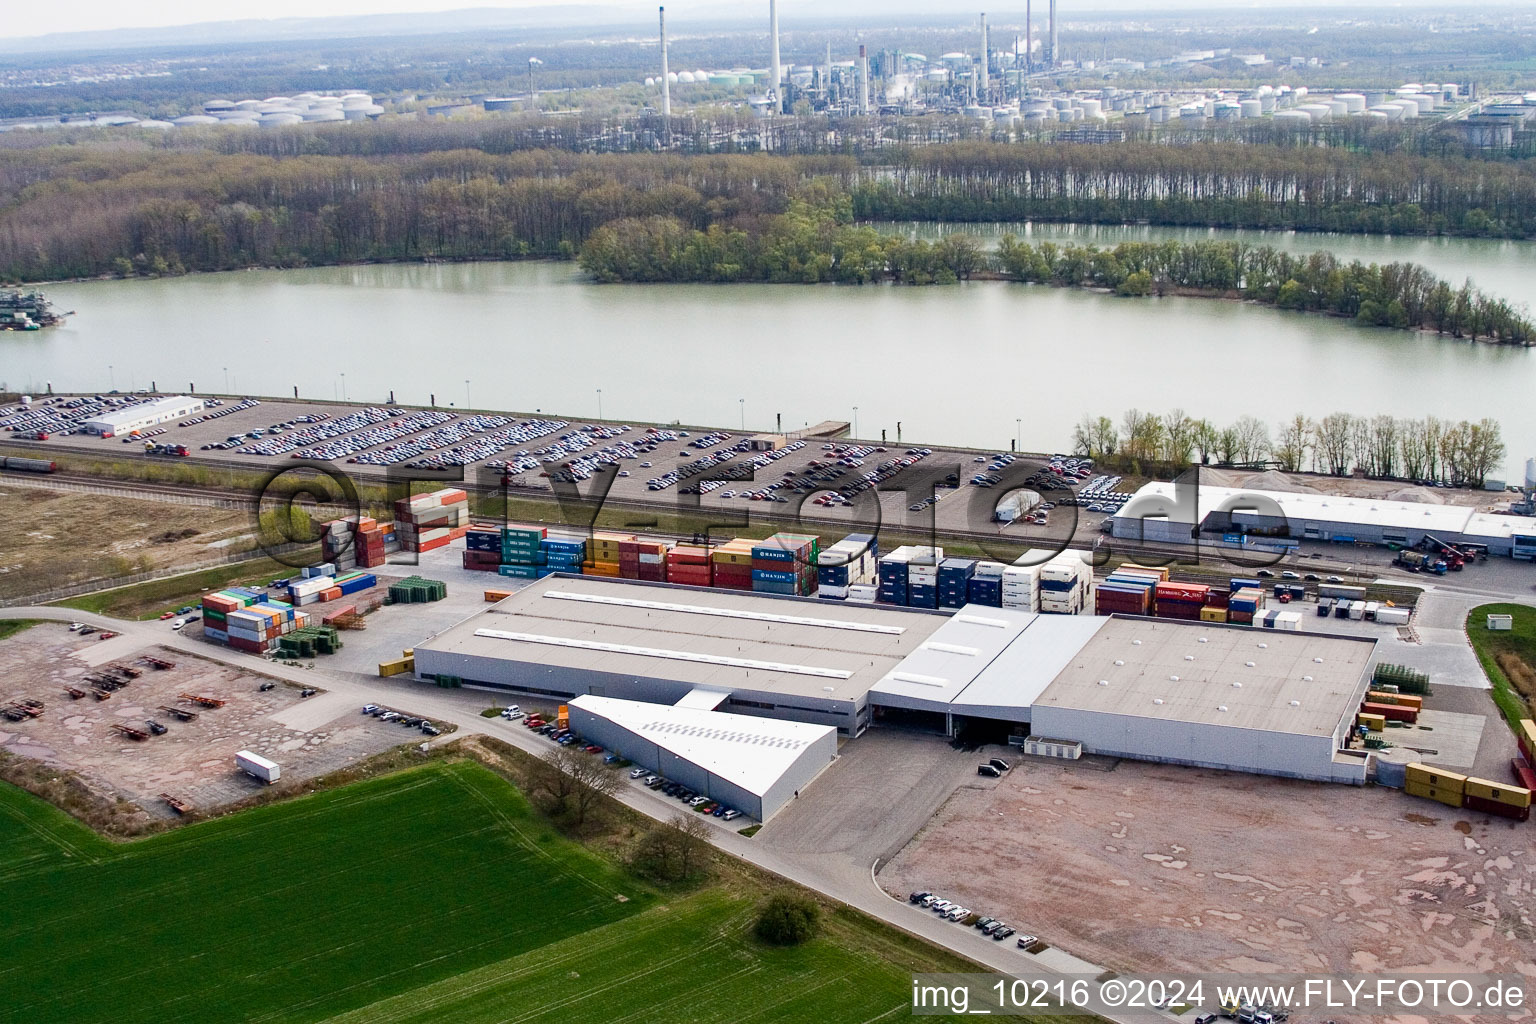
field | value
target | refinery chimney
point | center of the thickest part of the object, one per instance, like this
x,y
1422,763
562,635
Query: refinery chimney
x,y
666,87
774,70
1029,40
1053,57
986,56
863,81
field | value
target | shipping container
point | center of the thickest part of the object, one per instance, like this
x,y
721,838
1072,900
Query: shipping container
x,y
1375,723
1451,798
1525,775
1515,796
1497,808
1440,778
255,765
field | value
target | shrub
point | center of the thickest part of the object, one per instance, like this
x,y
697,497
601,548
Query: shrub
x,y
787,920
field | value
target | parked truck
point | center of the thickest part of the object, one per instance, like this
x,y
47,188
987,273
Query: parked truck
x,y
257,766
1416,561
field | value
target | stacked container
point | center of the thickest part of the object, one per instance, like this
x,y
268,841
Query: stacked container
x,y
425,522
785,564
643,560
732,565
257,627
415,590
1181,600
1064,585
603,554
1433,783
986,584
1021,587
862,593
923,582
482,549
562,553
1243,604
217,608
892,576
850,562
1497,798
521,545
1123,597
689,565
309,590
358,542
955,575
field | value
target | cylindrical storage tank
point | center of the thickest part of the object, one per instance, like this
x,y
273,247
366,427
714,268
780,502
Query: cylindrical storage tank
x,y
356,99
322,114
1375,99
194,119
153,123
362,113
1354,102
283,100
1319,111
1392,766
1092,108
1391,111
1530,474
1061,102
1338,108
1425,103
1267,102
237,115
1251,108
1036,115
247,104
215,106
1228,111
1409,107
1293,118
494,103
326,101
279,120
1064,116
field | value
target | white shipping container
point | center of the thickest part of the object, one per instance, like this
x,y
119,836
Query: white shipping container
x,y
258,766
1357,609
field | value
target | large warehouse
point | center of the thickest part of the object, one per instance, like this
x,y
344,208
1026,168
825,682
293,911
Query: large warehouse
x,y
668,663
144,415
1277,520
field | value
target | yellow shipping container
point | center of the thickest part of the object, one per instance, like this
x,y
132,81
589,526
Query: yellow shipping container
x,y
409,652
1514,796
1209,614
1439,778
492,596
1443,796
1375,723
1400,699
1160,571
1528,730
397,667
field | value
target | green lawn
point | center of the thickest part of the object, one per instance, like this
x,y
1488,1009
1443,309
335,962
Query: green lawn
x,y
295,911
10,627
148,600
1519,641
434,894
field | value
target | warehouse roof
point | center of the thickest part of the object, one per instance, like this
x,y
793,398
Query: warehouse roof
x,y
720,639
1018,675
745,750
171,405
1158,499
1210,674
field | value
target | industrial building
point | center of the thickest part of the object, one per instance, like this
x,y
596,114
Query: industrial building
x,y
755,765
1277,521
659,657
144,415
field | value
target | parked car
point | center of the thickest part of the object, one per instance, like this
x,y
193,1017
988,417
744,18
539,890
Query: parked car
x,y
637,773
732,813
988,771
370,709
999,764
1025,941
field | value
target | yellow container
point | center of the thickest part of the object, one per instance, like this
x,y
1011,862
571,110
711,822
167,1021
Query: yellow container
x,y
1439,778
1528,730
1400,699
1160,571
492,596
1450,799
397,667
1375,723
1514,796
1213,614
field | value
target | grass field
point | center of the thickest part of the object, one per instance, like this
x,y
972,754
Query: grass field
x,y
10,627
1508,656
147,600
435,894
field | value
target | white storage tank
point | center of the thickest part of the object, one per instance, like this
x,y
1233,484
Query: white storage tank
x,y
1391,111
1338,108
279,120
1354,102
1092,108
1293,118
193,119
1251,108
1318,111
214,106
247,104
322,114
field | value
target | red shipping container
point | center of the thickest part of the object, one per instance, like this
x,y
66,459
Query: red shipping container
x,y
1217,598
1477,803
433,545
1524,773
1391,712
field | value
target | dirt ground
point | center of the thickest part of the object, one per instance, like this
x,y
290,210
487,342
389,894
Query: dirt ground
x,y
55,538
194,760
1158,867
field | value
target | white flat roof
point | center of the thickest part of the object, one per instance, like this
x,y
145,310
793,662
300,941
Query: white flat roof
x,y
1158,498
744,750
1019,674
167,406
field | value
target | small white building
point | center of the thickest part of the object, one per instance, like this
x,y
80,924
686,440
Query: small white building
x,y
144,415
755,765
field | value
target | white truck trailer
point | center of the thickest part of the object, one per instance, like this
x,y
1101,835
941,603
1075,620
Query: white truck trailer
x,y
258,766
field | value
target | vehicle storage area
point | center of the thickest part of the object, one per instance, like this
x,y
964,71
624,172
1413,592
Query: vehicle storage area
x,y
110,742
1145,867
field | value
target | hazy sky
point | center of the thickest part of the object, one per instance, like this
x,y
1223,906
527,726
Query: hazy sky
x,y
23,18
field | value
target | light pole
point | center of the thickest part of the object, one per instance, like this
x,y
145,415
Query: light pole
x,y
599,403
855,421
226,380
531,62
343,387
743,403
111,378
466,392
1018,434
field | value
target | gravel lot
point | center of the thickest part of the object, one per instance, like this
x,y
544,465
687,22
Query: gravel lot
x,y
1158,867
193,760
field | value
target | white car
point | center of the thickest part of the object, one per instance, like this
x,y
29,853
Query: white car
x,y
178,623
957,913
75,627
513,716
638,773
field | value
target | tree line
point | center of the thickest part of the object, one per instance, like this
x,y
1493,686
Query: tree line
x,y
1425,450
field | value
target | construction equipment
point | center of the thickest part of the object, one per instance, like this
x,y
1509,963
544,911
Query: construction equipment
x,y
207,702
75,693
177,804
101,694
130,732
157,663
155,727
25,707
1415,561
1454,557
180,714
126,671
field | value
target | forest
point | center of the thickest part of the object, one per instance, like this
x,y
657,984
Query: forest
x,y
113,206
1428,450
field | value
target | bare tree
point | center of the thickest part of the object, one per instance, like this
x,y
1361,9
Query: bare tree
x,y
1095,437
1360,444
1292,442
1252,438
1430,441
1410,448
1143,434
1207,440
1384,446
1178,436
1333,442
673,850
1228,445
569,784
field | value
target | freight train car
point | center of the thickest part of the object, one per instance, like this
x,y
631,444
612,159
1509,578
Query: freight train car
x,y
28,465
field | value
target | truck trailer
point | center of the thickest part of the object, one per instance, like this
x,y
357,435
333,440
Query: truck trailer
x,y
257,766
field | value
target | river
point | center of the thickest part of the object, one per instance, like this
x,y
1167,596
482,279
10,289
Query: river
x,y
981,363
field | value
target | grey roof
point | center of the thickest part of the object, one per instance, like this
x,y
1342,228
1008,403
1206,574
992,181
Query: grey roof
x,y
1291,682
812,648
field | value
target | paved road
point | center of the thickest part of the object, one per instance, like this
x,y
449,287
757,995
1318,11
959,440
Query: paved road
x,y
461,708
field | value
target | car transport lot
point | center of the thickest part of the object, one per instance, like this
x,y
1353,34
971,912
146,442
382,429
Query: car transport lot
x,y
1150,867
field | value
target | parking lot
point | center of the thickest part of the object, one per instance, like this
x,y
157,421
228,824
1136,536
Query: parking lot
x,y
719,472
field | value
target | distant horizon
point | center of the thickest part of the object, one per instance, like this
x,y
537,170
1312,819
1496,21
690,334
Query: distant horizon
x,y
69,23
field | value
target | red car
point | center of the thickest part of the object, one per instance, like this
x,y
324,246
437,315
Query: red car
x,y
593,748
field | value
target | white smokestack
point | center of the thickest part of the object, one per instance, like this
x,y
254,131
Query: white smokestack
x,y
666,87
1029,38
1053,56
986,55
863,81
774,71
